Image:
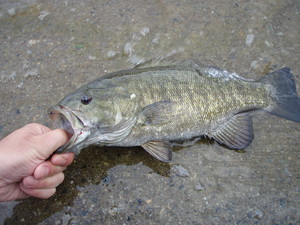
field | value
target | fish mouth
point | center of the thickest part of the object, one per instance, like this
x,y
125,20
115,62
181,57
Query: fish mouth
x,y
65,118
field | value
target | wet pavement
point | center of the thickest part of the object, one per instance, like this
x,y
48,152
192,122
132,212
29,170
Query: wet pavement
x,y
48,48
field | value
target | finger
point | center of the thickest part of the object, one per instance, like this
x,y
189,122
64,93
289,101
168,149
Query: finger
x,y
50,182
37,129
47,143
12,192
63,159
38,193
47,169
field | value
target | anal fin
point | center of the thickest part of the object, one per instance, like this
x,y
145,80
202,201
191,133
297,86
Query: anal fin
x,y
236,133
161,150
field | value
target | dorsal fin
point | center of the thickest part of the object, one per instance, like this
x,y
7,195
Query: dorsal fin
x,y
165,60
218,73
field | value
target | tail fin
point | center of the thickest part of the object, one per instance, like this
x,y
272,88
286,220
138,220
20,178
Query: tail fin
x,y
286,101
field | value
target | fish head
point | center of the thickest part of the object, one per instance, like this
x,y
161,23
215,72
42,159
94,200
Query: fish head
x,y
87,116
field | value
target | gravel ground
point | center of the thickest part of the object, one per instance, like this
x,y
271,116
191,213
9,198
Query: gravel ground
x,y
48,48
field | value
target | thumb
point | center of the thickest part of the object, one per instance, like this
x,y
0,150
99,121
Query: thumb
x,y
51,141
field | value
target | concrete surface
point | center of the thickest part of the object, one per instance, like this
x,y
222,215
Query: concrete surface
x,y
48,48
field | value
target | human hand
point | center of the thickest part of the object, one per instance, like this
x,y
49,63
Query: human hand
x,y
24,168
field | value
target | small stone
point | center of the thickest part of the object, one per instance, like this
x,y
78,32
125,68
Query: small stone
x,y
12,76
128,48
32,73
136,60
269,44
254,64
180,171
199,187
140,201
114,210
180,187
156,38
11,11
20,85
91,57
279,33
145,31
33,42
250,39
111,54
256,213
43,15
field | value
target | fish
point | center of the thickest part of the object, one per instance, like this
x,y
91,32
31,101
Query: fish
x,y
161,106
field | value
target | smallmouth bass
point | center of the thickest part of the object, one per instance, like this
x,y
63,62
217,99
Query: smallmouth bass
x,y
158,107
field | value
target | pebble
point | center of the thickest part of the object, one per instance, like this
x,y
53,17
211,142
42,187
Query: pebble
x,y
145,31
199,187
128,48
12,76
269,44
114,210
250,39
254,64
43,15
11,11
91,57
20,85
32,73
111,54
33,42
156,38
136,60
180,171
258,214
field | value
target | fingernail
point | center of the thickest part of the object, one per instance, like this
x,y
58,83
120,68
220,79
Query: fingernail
x,y
63,160
29,182
45,170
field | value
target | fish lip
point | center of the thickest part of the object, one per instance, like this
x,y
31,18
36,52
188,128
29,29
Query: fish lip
x,y
65,118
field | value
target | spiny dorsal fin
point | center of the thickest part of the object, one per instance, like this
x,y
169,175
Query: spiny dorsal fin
x,y
159,149
164,60
155,62
237,133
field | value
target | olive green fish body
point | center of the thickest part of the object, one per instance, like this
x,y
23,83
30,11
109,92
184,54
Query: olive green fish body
x,y
181,104
158,106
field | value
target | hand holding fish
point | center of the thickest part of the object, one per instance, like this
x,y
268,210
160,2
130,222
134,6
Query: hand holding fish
x,y
24,168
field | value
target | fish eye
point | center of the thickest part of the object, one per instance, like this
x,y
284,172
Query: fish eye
x,y
86,99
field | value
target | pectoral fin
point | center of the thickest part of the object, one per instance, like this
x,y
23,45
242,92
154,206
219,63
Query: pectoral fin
x,y
159,149
237,133
156,113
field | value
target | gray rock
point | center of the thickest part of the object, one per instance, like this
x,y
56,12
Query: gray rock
x,y
180,171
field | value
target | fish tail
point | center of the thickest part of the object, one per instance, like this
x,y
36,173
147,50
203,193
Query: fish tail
x,y
286,102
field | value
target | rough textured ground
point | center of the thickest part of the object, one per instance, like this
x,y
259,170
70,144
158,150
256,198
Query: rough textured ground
x,y
48,48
